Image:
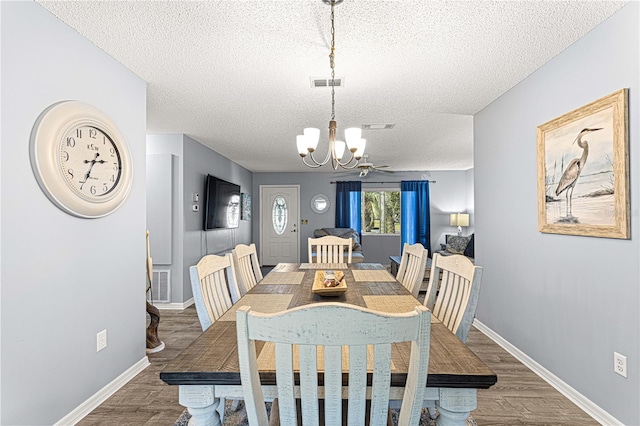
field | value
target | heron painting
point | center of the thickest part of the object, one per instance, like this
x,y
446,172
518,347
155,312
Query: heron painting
x,y
582,170
572,172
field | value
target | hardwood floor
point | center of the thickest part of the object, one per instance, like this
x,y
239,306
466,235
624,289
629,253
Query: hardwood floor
x,y
519,398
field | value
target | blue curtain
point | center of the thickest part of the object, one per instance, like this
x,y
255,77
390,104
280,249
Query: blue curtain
x,y
348,198
415,222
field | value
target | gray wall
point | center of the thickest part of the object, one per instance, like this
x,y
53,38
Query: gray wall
x,y
449,194
568,302
64,279
198,162
168,144
192,162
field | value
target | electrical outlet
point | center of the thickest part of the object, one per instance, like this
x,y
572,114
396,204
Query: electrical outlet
x,y
101,339
620,364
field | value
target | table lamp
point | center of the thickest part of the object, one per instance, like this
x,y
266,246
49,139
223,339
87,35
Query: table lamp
x,y
459,220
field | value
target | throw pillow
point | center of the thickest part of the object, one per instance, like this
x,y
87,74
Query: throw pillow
x,y
457,244
453,250
469,252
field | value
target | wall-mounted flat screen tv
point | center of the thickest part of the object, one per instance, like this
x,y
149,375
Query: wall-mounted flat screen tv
x,y
221,204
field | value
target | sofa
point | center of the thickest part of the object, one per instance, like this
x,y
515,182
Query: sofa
x,y
455,244
356,248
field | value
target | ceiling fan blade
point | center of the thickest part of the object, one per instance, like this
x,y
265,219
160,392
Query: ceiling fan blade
x,y
386,171
380,167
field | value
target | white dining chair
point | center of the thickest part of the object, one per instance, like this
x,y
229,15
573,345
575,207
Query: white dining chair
x,y
247,267
350,326
210,282
452,297
211,278
330,249
453,291
412,266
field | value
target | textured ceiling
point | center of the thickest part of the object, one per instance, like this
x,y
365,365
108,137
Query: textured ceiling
x,y
234,75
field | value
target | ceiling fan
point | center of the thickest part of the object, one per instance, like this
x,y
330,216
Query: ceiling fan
x,y
365,167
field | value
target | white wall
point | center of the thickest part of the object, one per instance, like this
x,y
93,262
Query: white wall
x,y
170,144
568,302
64,279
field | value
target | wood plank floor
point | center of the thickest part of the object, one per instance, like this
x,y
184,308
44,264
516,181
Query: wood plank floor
x,y
519,398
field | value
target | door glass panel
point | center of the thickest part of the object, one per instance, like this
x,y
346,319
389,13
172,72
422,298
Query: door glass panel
x,y
279,215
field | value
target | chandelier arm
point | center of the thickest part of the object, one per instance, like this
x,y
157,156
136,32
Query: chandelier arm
x,y
323,162
313,166
347,164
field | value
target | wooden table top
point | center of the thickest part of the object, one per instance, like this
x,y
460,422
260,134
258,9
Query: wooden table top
x,y
212,359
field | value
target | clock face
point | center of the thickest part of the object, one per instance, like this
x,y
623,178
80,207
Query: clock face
x,y
90,161
80,159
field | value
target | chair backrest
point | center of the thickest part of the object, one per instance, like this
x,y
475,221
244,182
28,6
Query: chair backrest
x,y
454,297
210,282
247,267
330,249
350,326
412,266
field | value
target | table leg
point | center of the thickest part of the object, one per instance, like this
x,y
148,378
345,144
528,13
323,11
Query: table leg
x,y
455,405
201,403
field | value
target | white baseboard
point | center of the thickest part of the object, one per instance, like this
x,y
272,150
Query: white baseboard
x,y
99,397
598,414
174,306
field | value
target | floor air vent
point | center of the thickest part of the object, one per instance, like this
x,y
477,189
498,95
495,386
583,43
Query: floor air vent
x,y
161,288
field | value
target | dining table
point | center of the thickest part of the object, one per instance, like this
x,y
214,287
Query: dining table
x,y
208,369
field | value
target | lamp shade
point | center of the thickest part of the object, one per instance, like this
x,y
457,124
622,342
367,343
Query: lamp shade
x,y
360,148
312,136
339,149
352,135
459,219
301,143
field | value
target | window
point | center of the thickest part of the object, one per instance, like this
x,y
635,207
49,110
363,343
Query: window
x,y
279,215
381,212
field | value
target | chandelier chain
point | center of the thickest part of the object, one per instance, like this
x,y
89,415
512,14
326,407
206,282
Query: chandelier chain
x,y
307,143
332,64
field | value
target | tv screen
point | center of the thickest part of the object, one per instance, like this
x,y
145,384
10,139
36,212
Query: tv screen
x,y
221,204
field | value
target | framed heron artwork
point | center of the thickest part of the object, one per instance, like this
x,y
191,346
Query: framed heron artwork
x,y
583,170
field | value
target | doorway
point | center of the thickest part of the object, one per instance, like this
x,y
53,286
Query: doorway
x,y
279,218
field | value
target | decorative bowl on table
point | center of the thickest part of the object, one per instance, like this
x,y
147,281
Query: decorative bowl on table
x,y
329,283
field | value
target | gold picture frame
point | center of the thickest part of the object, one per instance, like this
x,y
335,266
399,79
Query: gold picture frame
x,y
583,170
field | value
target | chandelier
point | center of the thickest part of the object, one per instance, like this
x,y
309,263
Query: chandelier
x,y
308,141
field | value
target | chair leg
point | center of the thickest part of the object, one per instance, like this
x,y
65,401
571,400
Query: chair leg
x,y
221,408
274,415
235,405
433,413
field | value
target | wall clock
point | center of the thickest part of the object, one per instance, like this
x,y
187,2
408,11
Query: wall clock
x,y
80,159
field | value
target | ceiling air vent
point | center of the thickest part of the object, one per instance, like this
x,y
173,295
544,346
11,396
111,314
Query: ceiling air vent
x,y
377,126
326,82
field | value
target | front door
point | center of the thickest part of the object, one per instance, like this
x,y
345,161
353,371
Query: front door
x,y
279,217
